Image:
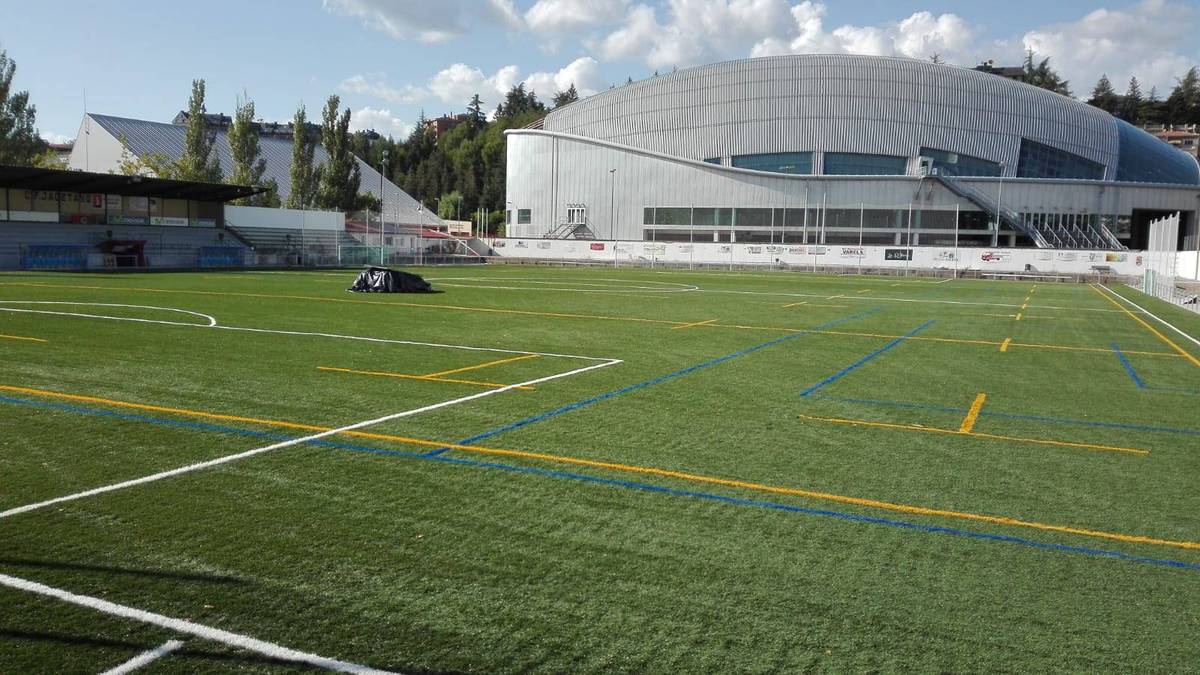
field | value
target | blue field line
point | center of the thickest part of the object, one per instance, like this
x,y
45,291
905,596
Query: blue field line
x,y
1016,416
1128,367
632,485
651,382
864,360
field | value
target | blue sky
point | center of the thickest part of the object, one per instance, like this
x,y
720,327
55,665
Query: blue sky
x,y
391,59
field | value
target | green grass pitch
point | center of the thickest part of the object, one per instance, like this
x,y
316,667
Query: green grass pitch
x,y
701,471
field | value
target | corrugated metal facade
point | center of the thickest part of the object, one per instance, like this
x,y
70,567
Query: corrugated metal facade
x,y
839,103
548,170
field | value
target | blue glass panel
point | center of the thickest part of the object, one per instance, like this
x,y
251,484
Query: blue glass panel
x,y
778,162
955,164
855,164
1145,159
1039,160
713,160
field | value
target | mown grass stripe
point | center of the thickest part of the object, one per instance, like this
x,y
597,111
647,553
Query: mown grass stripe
x,y
740,501
592,400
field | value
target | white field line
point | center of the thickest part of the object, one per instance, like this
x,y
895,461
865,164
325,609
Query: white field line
x,y
210,319
213,324
1144,311
145,658
239,641
295,441
886,299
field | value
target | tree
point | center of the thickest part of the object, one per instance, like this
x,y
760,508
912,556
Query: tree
x,y
936,58
198,162
340,176
19,140
1040,74
1183,105
1130,109
450,205
518,102
562,98
248,164
1103,96
1153,110
475,112
49,159
303,176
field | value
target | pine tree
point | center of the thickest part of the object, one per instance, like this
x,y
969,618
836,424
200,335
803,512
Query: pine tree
x,y
562,98
1183,105
249,167
302,173
1130,109
1040,74
198,162
1103,96
19,140
475,111
340,176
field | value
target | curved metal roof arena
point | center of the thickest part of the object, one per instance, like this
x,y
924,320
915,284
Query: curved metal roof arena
x,y
865,105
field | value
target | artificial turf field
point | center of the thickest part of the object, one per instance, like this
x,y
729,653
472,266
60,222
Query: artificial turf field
x,y
700,471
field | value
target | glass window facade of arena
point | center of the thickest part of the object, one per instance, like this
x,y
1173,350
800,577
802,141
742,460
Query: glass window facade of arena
x,y
955,164
777,162
1039,160
45,206
1145,159
858,164
899,225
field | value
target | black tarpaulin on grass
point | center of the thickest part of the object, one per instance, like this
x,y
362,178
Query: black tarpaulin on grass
x,y
383,280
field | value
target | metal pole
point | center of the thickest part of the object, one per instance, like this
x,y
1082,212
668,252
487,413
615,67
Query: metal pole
x,y
956,241
382,171
908,243
861,213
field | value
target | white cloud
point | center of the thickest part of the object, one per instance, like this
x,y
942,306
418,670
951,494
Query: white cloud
x,y
380,120
458,83
1149,41
373,84
700,31
429,21
583,72
562,17
56,138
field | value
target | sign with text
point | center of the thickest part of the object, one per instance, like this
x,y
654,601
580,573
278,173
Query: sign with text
x,y
897,254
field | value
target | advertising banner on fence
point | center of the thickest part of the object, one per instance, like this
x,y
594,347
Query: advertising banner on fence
x,y
995,256
597,246
852,252
897,254
816,250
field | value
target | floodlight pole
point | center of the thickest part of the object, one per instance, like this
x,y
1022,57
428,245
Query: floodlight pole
x,y
999,201
382,172
612,212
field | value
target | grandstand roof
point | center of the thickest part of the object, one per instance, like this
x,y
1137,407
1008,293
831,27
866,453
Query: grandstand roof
x,y
145,137
56,180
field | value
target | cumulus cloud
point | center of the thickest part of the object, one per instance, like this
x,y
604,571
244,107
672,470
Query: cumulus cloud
x,y
425,20
456,84
1148,41
373,84
380,120
56,138
561,17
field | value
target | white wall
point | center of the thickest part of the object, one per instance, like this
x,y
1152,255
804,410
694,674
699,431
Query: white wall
x,y
1045,261
1187,265
253,216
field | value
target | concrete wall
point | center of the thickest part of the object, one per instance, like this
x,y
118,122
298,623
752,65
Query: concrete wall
x,y
253,216
1045,261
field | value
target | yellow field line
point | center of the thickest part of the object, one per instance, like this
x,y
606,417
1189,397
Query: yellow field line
x,y
424,378
795,304
645,470
24,339
693,325
865,290
968,422
976,434
1152,329
484,365
1004,345
1018,316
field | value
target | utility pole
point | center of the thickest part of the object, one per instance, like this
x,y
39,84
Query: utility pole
x,y
382,173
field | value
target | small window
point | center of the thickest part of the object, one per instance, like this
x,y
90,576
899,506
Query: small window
x,y
508,216
524,216
576,215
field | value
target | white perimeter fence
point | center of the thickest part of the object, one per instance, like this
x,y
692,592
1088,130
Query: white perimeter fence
x,y
1163,270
